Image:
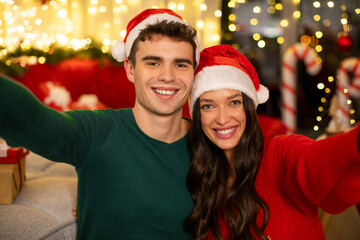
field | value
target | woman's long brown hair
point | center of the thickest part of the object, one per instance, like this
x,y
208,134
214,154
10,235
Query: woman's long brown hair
x,y
207,178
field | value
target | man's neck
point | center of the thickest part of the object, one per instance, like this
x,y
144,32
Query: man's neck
x,y
165,128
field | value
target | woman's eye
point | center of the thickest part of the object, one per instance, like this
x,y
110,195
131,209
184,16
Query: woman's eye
x,y
235,102
206,106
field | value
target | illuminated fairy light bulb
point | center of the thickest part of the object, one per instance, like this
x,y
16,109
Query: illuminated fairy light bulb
x,y
62,13
231,4
92,10
254,21
241,1
320,109
316,4
279,7
105,49
284,23
257,9
38,21
200,24
280,40
116,10
330,78
123,8
271,10
118,1
317,17
348,102
256,36
181,7
218,13
316,128
297,14
215,37
357,10
41,60
318,118
330,4
352,111
232,17
296,1
323,100
318,48
352,121
261,44
345,90
320,86
203,7
343,21
116,21
318,34
172,5
232,27
106,42
122,33
102,9
327,22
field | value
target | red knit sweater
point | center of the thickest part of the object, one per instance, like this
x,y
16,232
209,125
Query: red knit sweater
x,y
297,175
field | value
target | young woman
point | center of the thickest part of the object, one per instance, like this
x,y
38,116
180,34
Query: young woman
x,y
246,189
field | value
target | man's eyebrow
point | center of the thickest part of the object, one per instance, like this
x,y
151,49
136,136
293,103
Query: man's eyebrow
x,y
183,60
150,57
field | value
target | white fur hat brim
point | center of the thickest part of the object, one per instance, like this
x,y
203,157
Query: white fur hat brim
x,y
226,77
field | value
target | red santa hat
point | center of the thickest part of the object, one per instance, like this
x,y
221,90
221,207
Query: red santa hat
x,y
223,67
121,49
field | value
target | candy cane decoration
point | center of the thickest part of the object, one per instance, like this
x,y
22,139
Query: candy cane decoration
x,y
345,90
295,53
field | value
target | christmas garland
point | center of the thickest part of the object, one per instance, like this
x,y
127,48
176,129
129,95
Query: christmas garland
x,y
10,64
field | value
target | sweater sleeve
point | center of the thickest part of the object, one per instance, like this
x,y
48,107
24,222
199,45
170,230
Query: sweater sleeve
x,y
26,122
323,173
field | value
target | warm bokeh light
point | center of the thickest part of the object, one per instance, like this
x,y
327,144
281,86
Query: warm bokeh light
x,y
257,9
284,23
297,14
256,36
316,4
330,4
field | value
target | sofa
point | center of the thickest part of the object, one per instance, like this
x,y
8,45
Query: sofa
x,y
43,207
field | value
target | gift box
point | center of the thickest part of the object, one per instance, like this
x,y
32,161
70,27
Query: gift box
x,y
12,172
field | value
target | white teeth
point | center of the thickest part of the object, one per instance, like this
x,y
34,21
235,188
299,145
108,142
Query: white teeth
x,y
164,92
224,132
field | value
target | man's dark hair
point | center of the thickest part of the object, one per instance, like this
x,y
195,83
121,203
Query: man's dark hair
x,y
174,30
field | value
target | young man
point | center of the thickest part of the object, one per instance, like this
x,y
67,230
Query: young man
x,y
131,163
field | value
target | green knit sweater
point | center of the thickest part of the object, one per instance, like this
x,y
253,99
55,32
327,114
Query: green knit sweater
x,y
130,186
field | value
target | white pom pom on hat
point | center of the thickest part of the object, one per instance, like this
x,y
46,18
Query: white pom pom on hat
x,y
121,49
223,67
118,51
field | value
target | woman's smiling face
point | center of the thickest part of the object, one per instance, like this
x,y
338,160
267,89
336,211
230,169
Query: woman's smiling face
x,y
223,118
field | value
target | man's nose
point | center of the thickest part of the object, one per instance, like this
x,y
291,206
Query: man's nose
x,y
167,74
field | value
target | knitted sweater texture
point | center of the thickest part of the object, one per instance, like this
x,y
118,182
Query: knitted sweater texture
x,y
130,186
297,175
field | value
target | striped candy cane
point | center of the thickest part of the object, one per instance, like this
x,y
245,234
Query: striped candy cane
x,y
292,55
345,89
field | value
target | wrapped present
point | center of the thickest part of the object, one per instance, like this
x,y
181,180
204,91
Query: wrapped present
x,y
12,172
